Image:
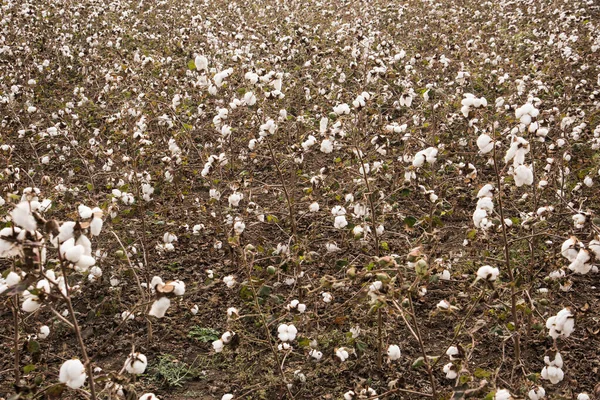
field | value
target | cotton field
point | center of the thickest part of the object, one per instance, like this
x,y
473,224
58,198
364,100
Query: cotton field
x,y
287,199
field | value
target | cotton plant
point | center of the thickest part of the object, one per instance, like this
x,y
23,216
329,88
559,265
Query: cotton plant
x,y
485,207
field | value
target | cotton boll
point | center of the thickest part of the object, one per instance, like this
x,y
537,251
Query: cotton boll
x,y
342,354
485,203
454,353
286,332
503,394
326,146
84,211
12,279
229,281
234,199
227,336
340,222
580,264
43,332
315,354
480,218
314,207
72,373
523,176
227,397
579,221
450,371
136,363
537,393
583,396
218,345
21,216
201,63
570,248
393,352
65,232
31,304
148,396
159,307
96,226
562,324
178,287
485,143
488,273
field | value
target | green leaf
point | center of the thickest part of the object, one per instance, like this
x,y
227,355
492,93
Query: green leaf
x,y
203,334
481,373
418,363
33,347
264,291
410,221
191,65
28,368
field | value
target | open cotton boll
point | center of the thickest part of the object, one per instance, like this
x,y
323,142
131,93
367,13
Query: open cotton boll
x,y
286,333
21,216
570,248
562,324
227,396
218,345
85,212
450,371
553,369
315,354
488,273
326,146
579,221
480,218
341,109
485,203
96,226
486,191
43,332
393,352
537,393
136,363
148,396
503,394
340,222
72,373
454,353
580,264
31,304
583,396
234,199
342,354
12,279
523,175
201,63
485,143
159,307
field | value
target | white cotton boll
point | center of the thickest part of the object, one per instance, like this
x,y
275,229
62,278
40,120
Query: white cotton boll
x,y
301,308
194,310
453,353
562,324
136,363
96,272
327,297
523,176
349,395
314,207
583,396
488,273
443,305
537,393
323,124
580,264
486,191
127,315
485,143
326,146
227,396
31,304
579,221
178,287
340,222
85,262
227,336
480,218
317,355
503,394
96,226
43,332
286,333
201,63
393,352
65,232
72,373
569,248
450,371
159,307
445,275
239,227
229,281
85,212
588,181
73,253
235,198
341,109
148,396
553,374
485,203
218,345
12,279
342,354
21,216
